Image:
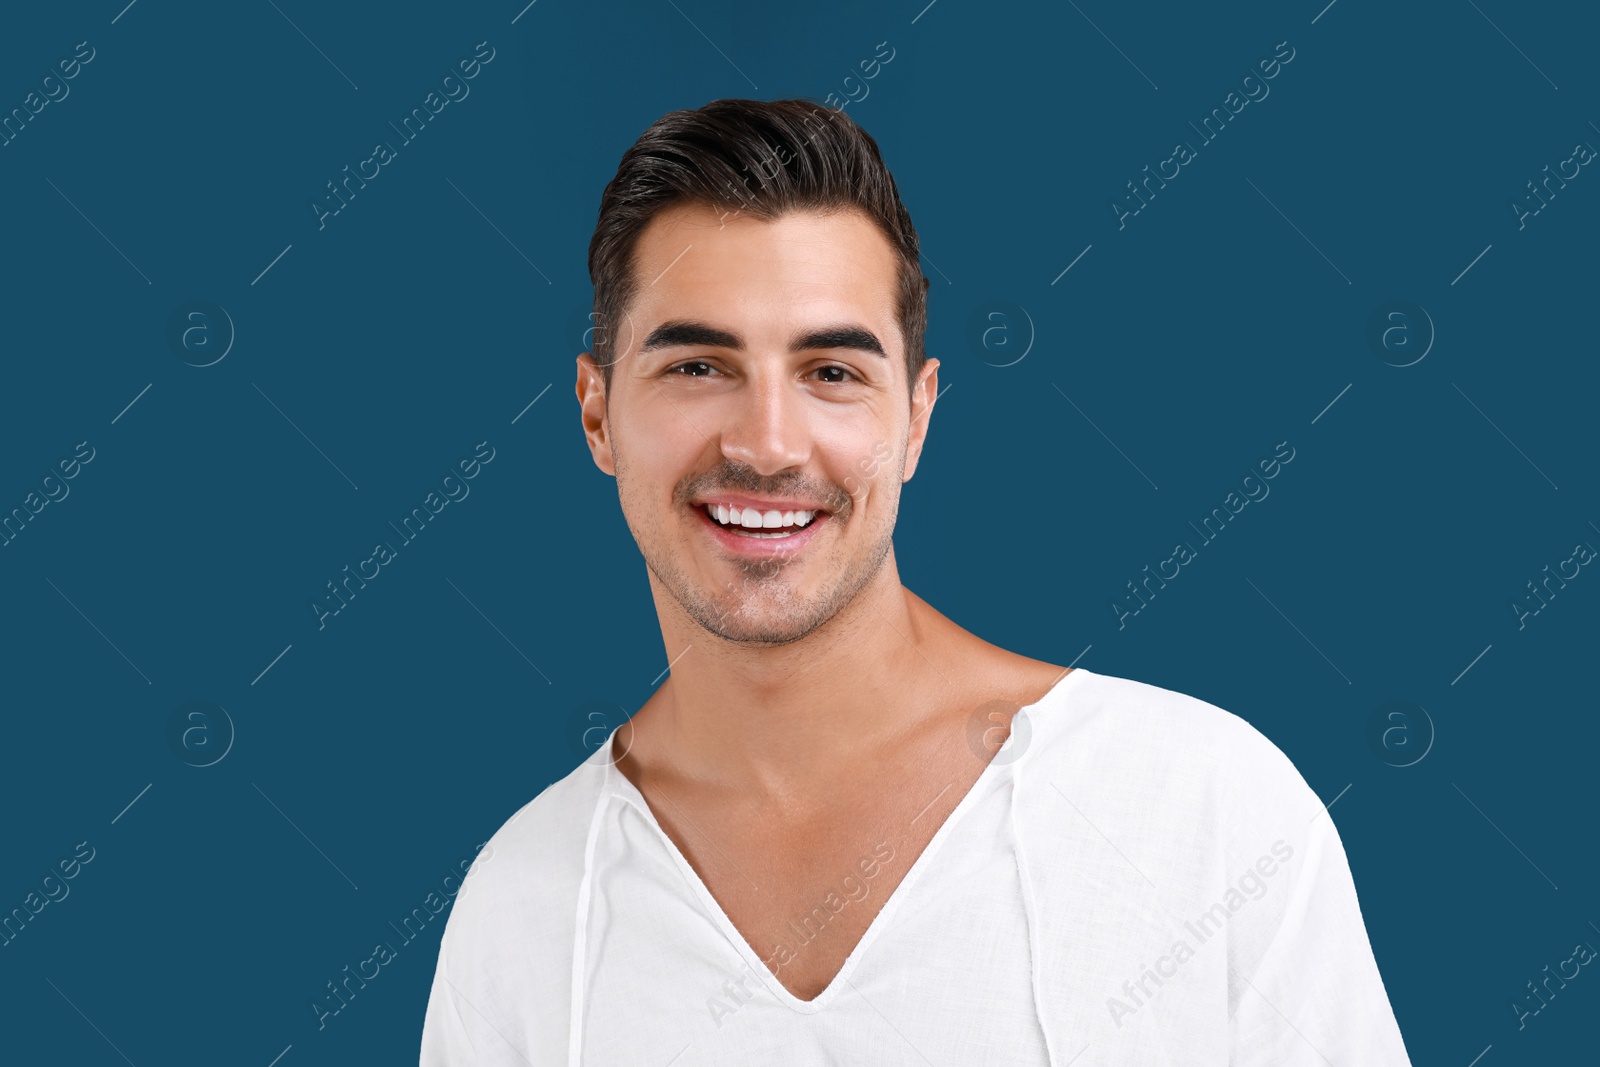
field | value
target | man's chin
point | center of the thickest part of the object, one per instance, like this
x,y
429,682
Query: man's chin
x,y
768,625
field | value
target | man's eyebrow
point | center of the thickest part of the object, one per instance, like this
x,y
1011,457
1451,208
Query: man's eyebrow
x,y
680,332
845,335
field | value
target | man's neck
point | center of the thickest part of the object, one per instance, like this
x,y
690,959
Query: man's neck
x,y
783,720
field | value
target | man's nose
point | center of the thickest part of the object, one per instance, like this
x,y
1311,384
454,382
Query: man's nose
x,y
767,426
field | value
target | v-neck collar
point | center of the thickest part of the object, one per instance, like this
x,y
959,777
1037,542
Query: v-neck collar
x,y
999,768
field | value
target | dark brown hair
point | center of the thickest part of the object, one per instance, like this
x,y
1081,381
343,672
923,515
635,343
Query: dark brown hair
x,y
753,157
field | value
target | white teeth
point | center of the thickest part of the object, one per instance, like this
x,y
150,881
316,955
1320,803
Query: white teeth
x,y
751,519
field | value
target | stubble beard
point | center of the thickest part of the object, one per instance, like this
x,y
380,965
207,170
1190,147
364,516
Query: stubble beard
x,y
760,606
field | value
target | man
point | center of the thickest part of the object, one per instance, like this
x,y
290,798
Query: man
x,y
846,830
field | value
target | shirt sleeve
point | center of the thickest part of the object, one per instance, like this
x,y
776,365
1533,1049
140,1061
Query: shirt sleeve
x,y
445,1042
1303,986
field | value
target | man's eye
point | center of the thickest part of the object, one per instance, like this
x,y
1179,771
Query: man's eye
x,y
832,375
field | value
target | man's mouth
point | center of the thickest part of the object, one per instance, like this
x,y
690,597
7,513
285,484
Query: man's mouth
x,y
750,522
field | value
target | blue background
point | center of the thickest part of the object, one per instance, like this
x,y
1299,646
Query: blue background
x,y
370,757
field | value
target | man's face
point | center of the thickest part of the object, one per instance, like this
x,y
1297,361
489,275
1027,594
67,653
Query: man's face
x,y
748,376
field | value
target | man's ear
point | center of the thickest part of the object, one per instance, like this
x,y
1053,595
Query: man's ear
x,y
923,396
591,389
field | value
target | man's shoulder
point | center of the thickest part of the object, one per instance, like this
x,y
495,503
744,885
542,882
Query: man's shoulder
x,y
1144,714
538,853
507,955
1111,728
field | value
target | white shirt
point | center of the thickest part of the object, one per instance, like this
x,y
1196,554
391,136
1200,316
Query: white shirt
x,y
1137,877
